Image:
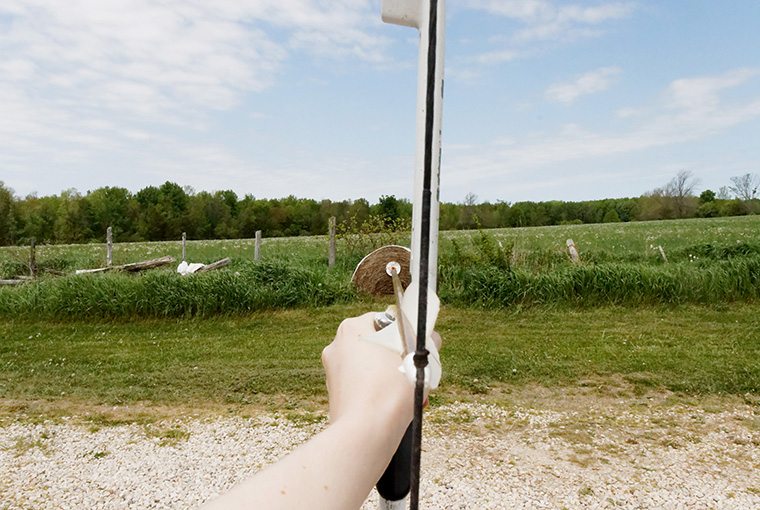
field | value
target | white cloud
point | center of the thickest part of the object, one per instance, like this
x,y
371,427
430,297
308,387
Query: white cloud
x,y
546,20
627,112
524,10
496,57
191,53
138,60
701,94
542,22
693,110
589,83
157,70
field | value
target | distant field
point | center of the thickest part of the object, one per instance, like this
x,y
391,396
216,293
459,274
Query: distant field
x,y
301,250
634,237
622,242
709,261
618,241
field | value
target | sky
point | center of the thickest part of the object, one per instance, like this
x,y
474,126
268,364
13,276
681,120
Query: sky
x,y
544,99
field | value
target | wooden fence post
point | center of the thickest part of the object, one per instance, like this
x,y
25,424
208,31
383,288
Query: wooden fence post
x,y
109,246
257,247
184,246
33,258
331,248
662,252
574,255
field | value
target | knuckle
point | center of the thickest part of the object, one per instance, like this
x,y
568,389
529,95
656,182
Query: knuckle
x,y
326,355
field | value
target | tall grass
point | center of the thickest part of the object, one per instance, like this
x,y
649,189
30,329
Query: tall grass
x,y
487,269
276,285
261,286
613,283
485,272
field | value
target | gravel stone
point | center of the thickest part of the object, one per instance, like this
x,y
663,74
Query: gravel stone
x,y
475,456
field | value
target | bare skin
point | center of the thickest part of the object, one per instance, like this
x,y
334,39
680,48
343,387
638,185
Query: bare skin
x,y
371,405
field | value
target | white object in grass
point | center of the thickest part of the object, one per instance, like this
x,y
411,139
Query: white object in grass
x,y
185,269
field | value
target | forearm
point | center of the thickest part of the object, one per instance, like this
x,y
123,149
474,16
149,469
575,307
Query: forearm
x,y
335,470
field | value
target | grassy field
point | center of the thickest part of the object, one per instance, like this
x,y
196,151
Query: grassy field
x,y
517,312
276,355
624,241
711,261
70,257
534,247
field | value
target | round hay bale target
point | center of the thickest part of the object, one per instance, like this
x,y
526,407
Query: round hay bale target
x,y
371,274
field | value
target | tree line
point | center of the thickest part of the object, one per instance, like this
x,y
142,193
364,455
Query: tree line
x,y
165,212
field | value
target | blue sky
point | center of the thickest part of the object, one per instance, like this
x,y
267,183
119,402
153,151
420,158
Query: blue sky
x,y
544,99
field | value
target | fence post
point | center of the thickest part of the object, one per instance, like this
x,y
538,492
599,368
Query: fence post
x,y
331,249
184,246
662,252
33,258
257,248
574,255
109,246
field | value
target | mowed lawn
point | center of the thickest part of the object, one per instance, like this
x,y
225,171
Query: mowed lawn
x,y
268,355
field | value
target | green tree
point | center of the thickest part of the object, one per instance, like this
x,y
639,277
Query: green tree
x,y
7,215
36,218
654,206
174,200
706,196
72,219
388,209
162,212
502,213
230,199
527,214
245,221
111,207
448,216
611,217
219,211
359,210
151,222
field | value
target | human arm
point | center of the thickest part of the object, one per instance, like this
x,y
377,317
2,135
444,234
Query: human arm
x,y
370,408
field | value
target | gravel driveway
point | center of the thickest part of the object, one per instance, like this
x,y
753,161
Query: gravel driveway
x,y
574,452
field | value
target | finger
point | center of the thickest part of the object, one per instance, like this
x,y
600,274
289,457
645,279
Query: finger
x,y
357,326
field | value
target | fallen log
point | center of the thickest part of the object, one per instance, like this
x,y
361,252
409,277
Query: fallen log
x,y
214,265
132,268
12,282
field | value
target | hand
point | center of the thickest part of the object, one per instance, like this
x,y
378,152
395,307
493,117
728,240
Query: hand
x,y
363,378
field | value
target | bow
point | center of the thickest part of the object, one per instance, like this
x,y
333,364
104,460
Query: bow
x,y
420,304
